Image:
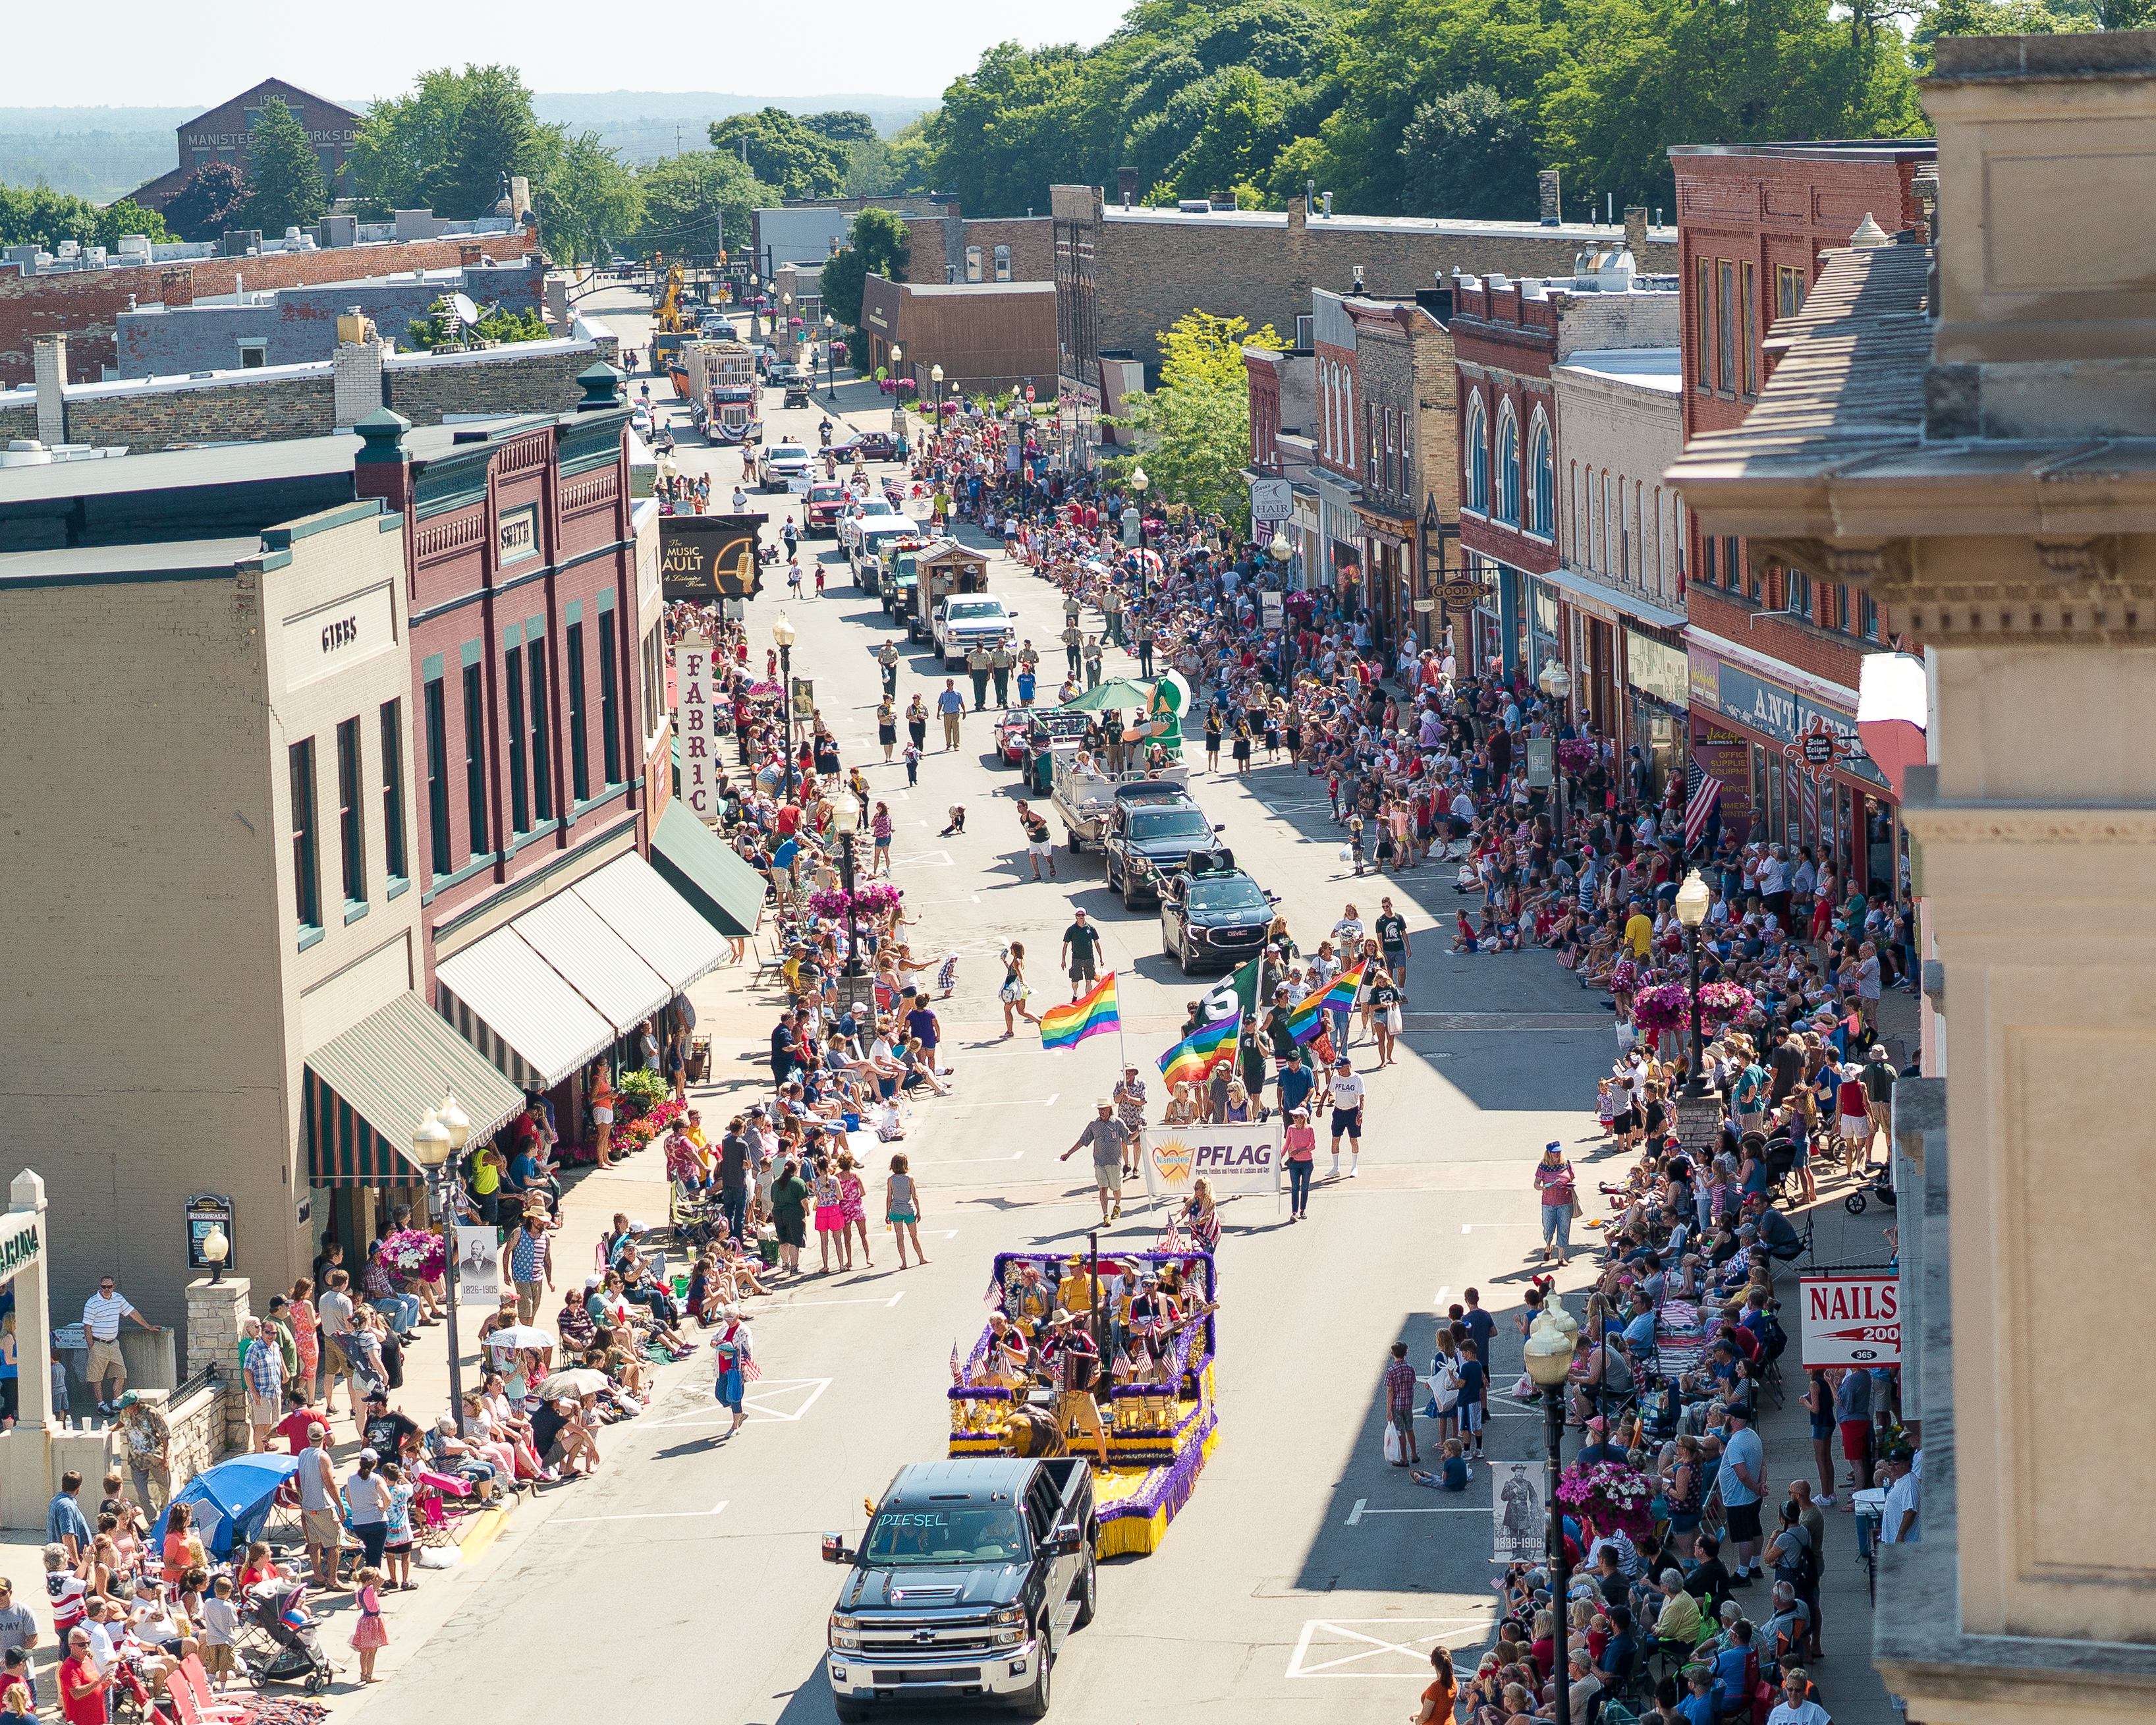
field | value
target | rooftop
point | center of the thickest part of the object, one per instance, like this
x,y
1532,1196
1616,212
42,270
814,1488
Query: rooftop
x,y
930,290
1579,232
1658,369
178,560
1824,150
184,469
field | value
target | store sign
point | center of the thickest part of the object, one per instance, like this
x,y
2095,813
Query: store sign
x,y
1775,710
699,715
1724,756
1657,669
206,1211
327,639
703,558
1819,750
1541,762
1849,1320
1463,593
1271,500
20,1246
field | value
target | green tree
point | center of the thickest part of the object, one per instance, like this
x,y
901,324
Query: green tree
x,y
286,175
876,244
1243,130
907,153
496,136
495,324
210,201
1988,17
1193,432
1648,74
590,201
696,203
37,216
446,145
1470,153
783,152
842,126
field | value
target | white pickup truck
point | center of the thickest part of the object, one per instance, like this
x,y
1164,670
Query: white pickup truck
x,y
783,464
967,618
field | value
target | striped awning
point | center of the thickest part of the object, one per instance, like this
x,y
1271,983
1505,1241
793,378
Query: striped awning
x,y
509,1002
659,924
365,1091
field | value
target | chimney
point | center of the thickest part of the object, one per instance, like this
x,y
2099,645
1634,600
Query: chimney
x,y
176,287
468,256
49,361
1127,185
1635,232
356,380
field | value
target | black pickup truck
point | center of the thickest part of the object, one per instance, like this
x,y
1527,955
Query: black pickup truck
x,y
969,1577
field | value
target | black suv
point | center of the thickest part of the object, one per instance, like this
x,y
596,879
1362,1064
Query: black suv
x,y
1144,843
1213,912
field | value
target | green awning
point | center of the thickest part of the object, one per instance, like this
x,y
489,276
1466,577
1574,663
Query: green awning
x,y
365,1091
727,893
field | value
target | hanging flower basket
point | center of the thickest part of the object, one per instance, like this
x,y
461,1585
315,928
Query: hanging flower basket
x,y
416,1256
1668,1006
950,407
1575,754
876,897
839,352
1611,1496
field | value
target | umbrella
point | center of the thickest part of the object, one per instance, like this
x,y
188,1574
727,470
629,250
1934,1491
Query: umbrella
x,y
520,1335
578,1381
231,1500
1116,692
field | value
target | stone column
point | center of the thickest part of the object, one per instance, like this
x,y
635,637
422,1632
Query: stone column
x,y
215,1312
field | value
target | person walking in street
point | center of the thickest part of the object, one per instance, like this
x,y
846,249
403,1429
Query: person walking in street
x,y
901,1195
951,705
1035,828
1148,635
1014,990
881,828
1081,946
1072,645
1110,1139
917,722
887,727
1000,661
1299,1150
1093,662
978,668
1346,1116
1555,1186
887,657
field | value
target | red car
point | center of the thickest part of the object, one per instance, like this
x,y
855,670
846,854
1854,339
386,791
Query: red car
x,y
1010,735
826,502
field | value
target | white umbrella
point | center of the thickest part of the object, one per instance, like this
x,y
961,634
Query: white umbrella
x,y
520,1335
579,1381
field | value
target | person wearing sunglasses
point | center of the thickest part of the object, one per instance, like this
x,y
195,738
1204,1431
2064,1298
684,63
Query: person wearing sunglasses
x,y
101,1314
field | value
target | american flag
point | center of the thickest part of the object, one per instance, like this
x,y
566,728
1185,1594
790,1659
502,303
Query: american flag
x,y
1706,791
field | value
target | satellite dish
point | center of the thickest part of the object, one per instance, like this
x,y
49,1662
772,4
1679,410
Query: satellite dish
x,y
467,313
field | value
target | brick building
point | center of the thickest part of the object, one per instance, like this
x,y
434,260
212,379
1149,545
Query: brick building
x,y
988,336
221,134
1406,384
1337,477
1123,274
1773,649
439,871
85,304
1283,385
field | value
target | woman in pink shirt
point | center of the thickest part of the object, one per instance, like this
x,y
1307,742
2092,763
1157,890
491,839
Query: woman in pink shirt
x,y
1298,1146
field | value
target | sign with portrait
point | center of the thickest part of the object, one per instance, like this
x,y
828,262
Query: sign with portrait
x,y
479,1266
1519,1513
704,557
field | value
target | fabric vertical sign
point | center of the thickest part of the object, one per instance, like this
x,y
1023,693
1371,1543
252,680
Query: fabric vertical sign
x,y
698,717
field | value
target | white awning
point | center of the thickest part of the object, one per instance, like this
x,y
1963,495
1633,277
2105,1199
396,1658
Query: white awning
x,y
525,1006
599,964
661,926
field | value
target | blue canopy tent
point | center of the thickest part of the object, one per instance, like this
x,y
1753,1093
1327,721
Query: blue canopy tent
x,y
230,1501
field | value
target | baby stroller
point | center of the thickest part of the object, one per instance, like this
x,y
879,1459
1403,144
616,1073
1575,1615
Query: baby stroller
x,y
277,1643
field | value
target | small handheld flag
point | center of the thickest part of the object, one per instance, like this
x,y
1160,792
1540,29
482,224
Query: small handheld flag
x,y
1090,1015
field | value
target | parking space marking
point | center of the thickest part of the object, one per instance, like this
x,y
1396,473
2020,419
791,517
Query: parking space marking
x,y
660,1516
1374,1654
767,1398
1362,1509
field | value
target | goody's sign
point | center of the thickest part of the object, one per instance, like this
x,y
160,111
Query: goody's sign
x,y
1232,1159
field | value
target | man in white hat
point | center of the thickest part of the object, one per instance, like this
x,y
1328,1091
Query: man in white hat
x,y
1110,1140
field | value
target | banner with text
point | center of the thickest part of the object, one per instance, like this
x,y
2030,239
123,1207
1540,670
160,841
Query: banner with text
x,y
698,718
704,558
1849,1320
1233,1159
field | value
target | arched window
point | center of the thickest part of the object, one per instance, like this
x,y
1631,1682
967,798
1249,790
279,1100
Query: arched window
x,y
1509,466
1543,486
1478,457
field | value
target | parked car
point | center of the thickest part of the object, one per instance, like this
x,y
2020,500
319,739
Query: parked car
x,y
869,445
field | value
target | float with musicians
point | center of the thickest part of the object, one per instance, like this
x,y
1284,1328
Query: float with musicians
x,y
1108,1356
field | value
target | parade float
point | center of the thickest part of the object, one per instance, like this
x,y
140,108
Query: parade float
x,y
1159,1432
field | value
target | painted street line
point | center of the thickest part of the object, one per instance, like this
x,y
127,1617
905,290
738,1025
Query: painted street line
x,y
960,1161
661,1516
796,1305
931,859
1376,1655
1030,1102
767,1398
1355,1515
1470,1227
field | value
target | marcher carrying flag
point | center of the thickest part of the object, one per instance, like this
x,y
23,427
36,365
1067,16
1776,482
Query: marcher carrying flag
x,y
1090,1015
1192,1060
1305,1018
1341,997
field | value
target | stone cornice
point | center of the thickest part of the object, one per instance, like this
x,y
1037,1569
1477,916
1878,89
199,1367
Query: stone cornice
x,y
1949,823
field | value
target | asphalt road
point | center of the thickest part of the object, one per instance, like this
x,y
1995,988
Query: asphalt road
x,y
1306,1579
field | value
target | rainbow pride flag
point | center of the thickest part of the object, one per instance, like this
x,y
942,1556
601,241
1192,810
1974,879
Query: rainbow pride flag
x,y
1197,1054
1305,1018
1341,996
1090,1015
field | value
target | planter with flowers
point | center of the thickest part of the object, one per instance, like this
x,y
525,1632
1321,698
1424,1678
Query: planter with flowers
x,y
1575,755
413,1255
1668,1006
870,899
649,1124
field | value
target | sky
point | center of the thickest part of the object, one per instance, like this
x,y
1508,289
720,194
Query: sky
x,y
157,55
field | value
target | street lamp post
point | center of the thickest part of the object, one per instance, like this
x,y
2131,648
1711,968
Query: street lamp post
x,y
1691,907
845,820
786,326
1139,483
1557,684
782,635
437,1142
1548,1354
830,365
936,380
